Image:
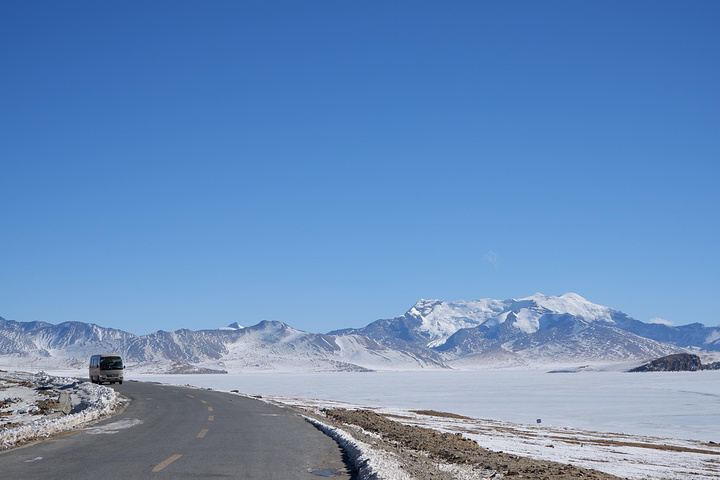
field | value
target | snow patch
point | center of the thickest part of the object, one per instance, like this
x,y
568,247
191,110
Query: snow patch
x,y
90,402
371,463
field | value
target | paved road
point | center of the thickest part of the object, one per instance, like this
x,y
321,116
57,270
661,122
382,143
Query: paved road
x,y
177,433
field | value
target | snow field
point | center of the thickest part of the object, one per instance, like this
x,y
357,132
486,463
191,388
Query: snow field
x,y
674,405
639,426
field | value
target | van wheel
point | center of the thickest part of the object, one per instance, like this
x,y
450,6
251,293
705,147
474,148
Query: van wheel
x,y
120,382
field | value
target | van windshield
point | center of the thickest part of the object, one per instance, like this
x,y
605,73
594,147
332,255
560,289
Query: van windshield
x,y
111,363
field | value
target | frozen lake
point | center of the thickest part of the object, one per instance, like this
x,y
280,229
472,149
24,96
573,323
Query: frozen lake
x,y
682,405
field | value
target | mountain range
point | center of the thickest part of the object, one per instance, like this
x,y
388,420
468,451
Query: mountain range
x,y
433,334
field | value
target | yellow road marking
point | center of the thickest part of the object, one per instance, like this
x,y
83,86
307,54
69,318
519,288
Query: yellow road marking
x,y
202,433
203,401
211,418
209,409
190,396
165,463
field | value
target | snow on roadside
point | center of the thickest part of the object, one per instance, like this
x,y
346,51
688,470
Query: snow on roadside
x,y
21,419
370,463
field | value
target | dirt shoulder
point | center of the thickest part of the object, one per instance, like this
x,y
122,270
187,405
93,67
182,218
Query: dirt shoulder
x,y
429,454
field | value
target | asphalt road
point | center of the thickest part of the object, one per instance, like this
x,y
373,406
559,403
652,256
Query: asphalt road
x,y
180,433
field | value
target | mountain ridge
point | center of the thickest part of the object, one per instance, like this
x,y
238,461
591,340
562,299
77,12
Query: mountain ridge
x,y
431,334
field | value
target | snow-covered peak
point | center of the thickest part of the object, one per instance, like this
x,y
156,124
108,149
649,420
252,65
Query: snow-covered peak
x,y
573,304
439,320
424,307
233,326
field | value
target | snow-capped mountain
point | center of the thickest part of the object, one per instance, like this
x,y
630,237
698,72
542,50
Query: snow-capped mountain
x,y
432,334
67,341
271,346
539,327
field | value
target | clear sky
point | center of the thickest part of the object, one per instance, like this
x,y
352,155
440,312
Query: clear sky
x,y
178,164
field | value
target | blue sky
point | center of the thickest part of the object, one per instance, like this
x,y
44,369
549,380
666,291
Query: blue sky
x,y
171,165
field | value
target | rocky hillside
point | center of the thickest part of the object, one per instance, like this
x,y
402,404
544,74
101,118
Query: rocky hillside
x,y
681,362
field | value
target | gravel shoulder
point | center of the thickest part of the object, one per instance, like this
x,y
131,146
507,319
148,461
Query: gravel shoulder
x,y
421,453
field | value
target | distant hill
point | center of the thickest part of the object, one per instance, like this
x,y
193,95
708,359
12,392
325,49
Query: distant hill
x,y
433,334
679,362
